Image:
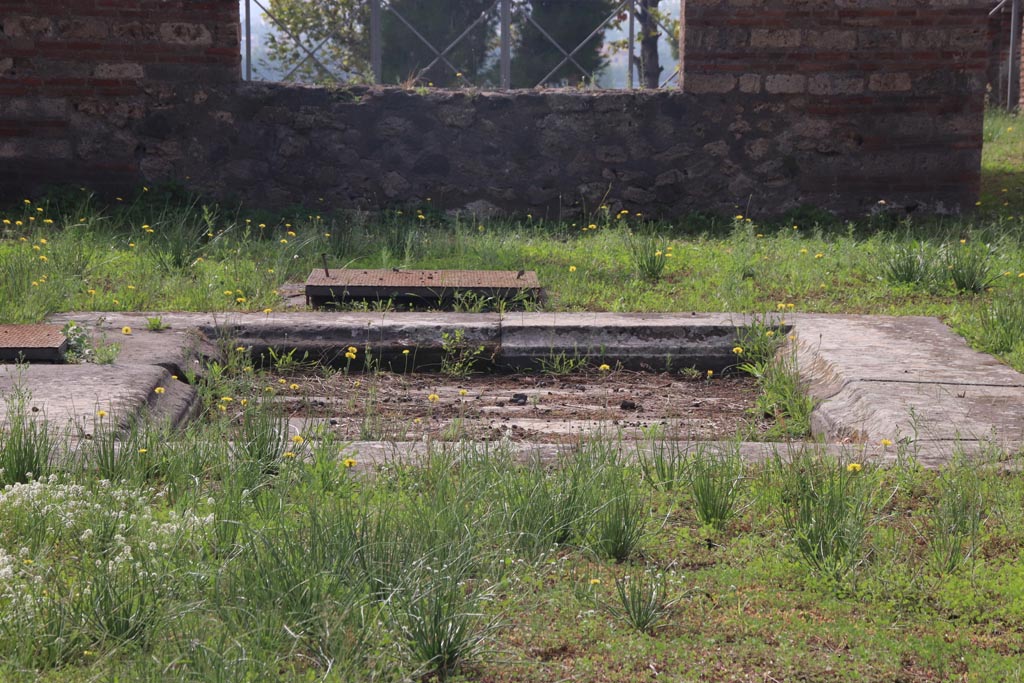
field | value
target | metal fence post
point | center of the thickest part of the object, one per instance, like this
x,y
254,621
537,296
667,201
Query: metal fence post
x,y
248,42
629,48
376,53
1012,87
506,44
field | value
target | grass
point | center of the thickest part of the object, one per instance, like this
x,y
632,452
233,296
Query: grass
x,y
475,567
239,549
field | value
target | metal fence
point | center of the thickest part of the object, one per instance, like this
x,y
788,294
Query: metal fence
x,y
631,16
1014,56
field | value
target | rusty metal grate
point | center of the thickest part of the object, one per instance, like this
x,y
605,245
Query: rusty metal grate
x,y
32,343
430,288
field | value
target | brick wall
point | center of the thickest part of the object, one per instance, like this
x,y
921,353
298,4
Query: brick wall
x,y
836,103
876,97
75,74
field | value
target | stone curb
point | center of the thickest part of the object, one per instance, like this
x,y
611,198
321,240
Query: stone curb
x,y
877,378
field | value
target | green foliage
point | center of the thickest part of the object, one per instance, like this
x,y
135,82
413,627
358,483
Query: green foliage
x,y
650,255
26,441
715,481
643,601
1001,323
969,266
460,356
911,263
827,509
956,516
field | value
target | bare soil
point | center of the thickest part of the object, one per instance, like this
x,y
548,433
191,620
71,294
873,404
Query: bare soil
x,y
527,407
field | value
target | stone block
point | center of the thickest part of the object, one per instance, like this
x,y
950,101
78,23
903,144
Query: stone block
x,y
709,83
835,84
775,38
898,81
750,83
785,84
124,71
178,33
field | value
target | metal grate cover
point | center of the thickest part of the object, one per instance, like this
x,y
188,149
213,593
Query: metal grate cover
x,y
423,286
32,343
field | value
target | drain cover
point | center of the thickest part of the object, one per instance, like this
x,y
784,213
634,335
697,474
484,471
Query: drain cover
x,y
431,288
32,343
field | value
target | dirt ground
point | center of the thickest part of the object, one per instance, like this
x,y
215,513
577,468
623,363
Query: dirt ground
x,y
527,407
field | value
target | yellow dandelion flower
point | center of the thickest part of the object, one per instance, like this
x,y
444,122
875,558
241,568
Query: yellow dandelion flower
x,y
352,349
42,257
433,398
143,451
159,390
348,462
819,255
101,413
572,269
291,233
240,300
417,420
604,367
350,355
737,350
240,349
854,467
268,311
282,381
462,392
288,454
222,408
126,330
405,352
293,387
283,241
886,443
298,440
594,582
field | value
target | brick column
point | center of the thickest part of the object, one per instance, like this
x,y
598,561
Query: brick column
x,y
76,74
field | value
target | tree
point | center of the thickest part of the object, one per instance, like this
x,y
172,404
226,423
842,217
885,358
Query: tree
x,y
569,23
339,25
406,58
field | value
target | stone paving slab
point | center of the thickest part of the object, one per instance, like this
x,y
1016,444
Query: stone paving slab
x,y
71,397
884,377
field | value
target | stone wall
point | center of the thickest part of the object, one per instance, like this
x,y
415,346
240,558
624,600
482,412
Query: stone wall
x,y
836,103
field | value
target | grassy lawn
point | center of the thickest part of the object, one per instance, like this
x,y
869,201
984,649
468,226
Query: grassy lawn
x,y
240,549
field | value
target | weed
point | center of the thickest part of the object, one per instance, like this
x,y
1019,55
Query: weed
x,y
562,363
643,601
715,484
459,356
26,442
156,324
969,266
618,524
827,509
440,620
662,461
79,343
1001,323
914,263
956,516
649,255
